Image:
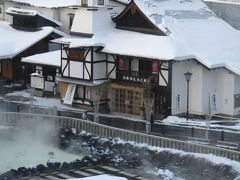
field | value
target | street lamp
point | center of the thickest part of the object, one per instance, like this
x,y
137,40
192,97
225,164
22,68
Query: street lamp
x,y
188,77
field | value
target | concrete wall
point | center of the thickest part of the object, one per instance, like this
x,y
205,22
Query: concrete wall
x,y
214,88
179,86
219,82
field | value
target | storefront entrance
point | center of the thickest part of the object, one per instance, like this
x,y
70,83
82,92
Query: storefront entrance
x,y
126,100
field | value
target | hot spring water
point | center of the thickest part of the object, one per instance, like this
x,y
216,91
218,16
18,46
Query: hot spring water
x,y
29,146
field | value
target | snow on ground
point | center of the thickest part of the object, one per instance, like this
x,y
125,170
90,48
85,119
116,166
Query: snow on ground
x,y
49,102
40,101
214,124
101,177
165,173
209,157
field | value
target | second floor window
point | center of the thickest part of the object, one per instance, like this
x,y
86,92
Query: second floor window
x,y
76,54
84,2
100,2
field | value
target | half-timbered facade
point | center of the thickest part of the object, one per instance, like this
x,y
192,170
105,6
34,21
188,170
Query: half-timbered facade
x,y
84,68
85,62
126,95
128,86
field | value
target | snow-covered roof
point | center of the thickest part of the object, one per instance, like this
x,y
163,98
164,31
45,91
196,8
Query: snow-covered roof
x,y
127,43
81,82
52,58
25,12
13,41
196,31
48,3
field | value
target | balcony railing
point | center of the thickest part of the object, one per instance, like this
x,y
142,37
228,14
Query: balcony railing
x,y
135,76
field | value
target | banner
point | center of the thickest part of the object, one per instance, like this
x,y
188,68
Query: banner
x,y
68,99
154,67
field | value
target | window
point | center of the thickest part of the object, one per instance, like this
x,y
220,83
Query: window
x,y
77,54
49,78
178,101
80,92
100,2
237,100
88,93
145,68
84,2
127,101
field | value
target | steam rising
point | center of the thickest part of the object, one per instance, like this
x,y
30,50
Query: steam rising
x,y
30,142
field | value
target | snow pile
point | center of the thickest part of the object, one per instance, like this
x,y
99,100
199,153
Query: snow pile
x,y
217,160
214,124
164,174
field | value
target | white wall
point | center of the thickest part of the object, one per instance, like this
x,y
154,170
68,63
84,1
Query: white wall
x,y
64,17
99,70
88,22
204,85
110,67
221,83
179,86
82,21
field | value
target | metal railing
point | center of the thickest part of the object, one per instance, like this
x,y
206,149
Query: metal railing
x,y
112,132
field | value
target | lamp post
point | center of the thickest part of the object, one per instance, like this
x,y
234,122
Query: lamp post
x,y
187,77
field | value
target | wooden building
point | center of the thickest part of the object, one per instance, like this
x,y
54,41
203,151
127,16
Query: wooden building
x,y
26,36
160,40
47,70
86,61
